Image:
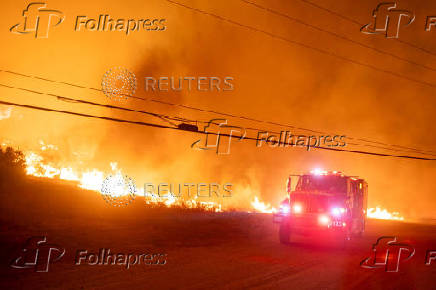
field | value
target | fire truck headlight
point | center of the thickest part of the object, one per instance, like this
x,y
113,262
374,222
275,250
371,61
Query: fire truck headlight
x,y
285,209
323,220
297,208
338,211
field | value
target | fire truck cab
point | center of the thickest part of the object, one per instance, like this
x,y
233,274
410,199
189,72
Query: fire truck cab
x,y
323,202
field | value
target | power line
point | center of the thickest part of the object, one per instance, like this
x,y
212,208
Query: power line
x,y
85,115
360,25
66,99
336,34
161,116
309,47
220,113
199,132
166,118
320,50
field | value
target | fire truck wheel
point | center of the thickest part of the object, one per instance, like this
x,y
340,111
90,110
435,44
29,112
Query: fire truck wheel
x,y
284,233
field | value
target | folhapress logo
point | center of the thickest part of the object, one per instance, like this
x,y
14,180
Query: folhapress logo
x,y
387,20
217,139
38,254
38,20
387,253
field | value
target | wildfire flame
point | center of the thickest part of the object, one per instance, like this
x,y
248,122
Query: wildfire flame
x,y
378,213
261,206
93,179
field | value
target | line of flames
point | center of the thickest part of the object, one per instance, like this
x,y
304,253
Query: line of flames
x,y
378,213
93,180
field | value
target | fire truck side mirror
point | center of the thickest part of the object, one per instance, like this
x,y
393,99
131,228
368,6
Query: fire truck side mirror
x,y
288,185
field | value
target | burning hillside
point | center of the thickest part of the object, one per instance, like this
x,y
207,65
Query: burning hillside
x,y
112,183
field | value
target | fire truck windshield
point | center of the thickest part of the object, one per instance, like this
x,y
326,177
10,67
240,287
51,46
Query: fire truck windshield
x,y
323,183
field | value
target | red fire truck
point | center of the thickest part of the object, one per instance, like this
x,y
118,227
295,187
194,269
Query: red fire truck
x,y
323,202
